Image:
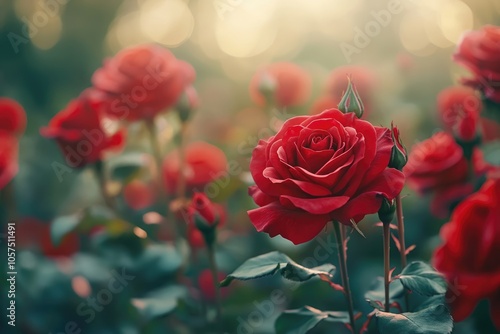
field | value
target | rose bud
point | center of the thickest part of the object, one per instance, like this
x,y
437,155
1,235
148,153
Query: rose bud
x,y
205,215
386,211
351,101
187,103
12,116
399,155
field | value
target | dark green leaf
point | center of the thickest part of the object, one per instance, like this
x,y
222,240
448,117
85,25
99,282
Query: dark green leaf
x,y
376,292
270,263
434,319
421,278
160,302
491,152
302,320
125,166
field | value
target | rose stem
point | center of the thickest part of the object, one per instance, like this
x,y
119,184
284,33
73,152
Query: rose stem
x,y
340,237
387,259
181,186
153,137
401,230
100,173
401,233
215,278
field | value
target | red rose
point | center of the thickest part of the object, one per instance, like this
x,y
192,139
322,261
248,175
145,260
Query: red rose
x,y
362,77
211,213
204,163
79,131
8,157
316,169
435,163
459,108
141,81
469,255
478,51
139,195
12,116
287,83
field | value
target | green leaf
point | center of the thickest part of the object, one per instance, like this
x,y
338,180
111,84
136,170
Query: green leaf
x,y
376,292
63,225
302,320
434,319
491,152
126,165
159,303
421,278
270,263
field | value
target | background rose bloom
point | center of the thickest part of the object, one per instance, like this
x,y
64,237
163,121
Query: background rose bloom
x,y
139,195
362,77
204,163
316,169
469,256
478,51
435,163
79,131
459,109
12,116
292,85
141,81
8,157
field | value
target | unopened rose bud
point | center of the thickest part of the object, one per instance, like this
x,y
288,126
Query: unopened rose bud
x,y
203,214
386,211
351,101
399,155
187,103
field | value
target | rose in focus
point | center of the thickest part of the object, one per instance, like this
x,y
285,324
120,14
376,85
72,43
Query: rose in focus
x,y
316,169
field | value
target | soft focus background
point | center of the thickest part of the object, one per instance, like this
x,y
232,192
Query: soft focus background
x,y
47,60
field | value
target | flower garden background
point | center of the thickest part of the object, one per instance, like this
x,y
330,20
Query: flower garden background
x,y
235,166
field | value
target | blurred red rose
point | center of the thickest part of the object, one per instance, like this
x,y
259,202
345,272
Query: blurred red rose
x,y
459,108
330,166
478,51
436,163
363,77
469,255
8,157
204,163
206,284
323,103
139,195
142,81
288,84
80,133
12,116
33,233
